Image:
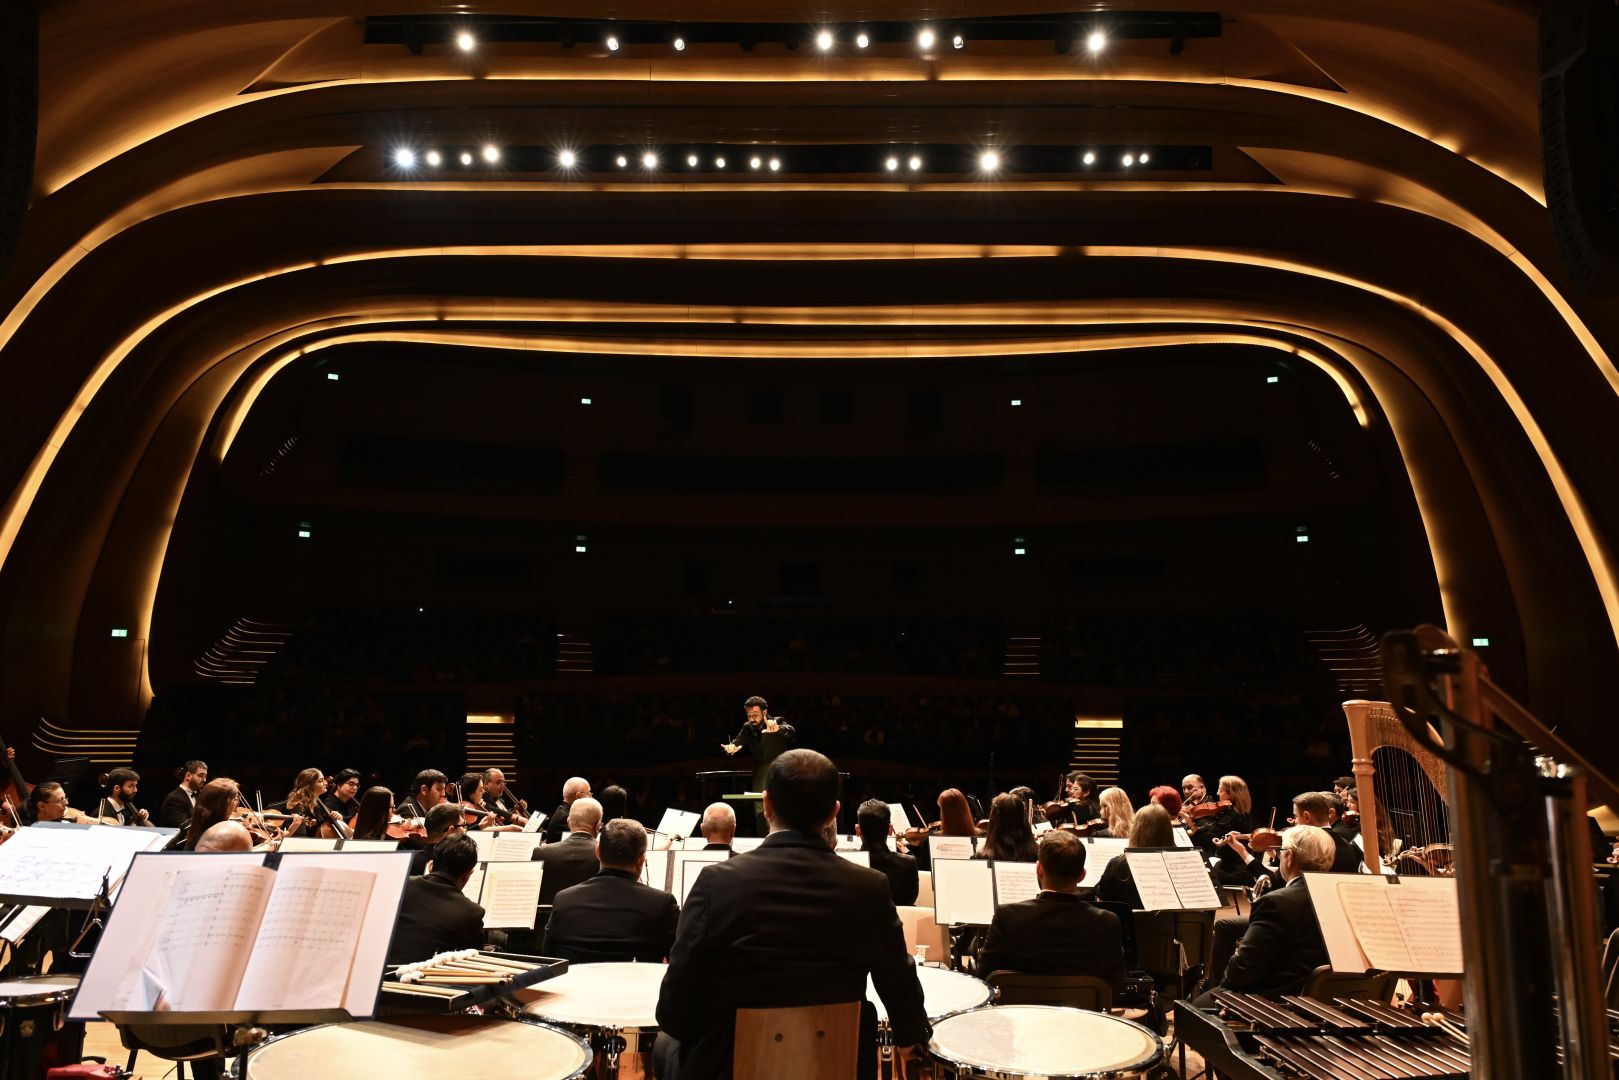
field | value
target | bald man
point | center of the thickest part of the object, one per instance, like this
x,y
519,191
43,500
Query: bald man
x,y
718,827
577,787
225,836
573,860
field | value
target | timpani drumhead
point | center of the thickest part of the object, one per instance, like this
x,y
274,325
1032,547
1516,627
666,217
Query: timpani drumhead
x,y
598,995
39,989
423,1046
944,993
1044,1041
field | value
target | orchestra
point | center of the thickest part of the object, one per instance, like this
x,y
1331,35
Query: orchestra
x,y
599,905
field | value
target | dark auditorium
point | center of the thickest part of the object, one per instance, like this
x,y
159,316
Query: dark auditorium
x,y
945,540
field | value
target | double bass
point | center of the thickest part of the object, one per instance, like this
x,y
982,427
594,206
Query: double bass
x,y
13,787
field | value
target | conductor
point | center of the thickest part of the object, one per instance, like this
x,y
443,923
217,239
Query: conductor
x,y
764,736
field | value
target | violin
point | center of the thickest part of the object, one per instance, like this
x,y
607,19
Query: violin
x,y
1207,810
1258,841
400,828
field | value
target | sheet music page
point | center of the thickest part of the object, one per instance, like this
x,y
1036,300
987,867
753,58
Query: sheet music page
x,y
1152,880
1014,882
1344,953
307,843
898,818
307,939
1182,837
1430,922
1042,827
949,847
473,889
486,844
25,920
535,822
656,871
69,863
963,892
1099,851
740,844
861,858
511,895
1377,930
678,822
690,870
1191,880
367,845
692,843
201,939
514,847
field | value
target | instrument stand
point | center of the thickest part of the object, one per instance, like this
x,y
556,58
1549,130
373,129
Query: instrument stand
x,y
244,1040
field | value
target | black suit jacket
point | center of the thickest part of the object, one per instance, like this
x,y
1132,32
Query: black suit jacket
x,y
434,917
1347,858
789,923
1281,946
1055,934
556,826
900,870
1118,885
612,918
567,863
175,810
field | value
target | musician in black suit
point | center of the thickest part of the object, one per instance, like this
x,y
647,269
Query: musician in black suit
x,y
174,812
443,821
765,737
1056,933
576,787
718,827
1316,808
118,807
873,823
1283,942
788,924
612,917
573,859
434,914
426,792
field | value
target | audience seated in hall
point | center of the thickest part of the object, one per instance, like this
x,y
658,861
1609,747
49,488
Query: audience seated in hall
x,y
1056,933
612,917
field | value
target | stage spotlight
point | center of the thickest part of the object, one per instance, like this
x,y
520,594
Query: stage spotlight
x,y
861,40
775,164
405,158
612,43
925,38
891,164
466,157
824,41
465,41
691,161
649,160
1089,158
434,158
989,161
566,159
719,163
680,44
1142,158
754,163
1129,160
1095,42
915,163
621,161
491,153
958,42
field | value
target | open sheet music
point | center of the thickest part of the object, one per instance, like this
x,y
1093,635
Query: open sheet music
x,y
508,891
1410,925
949,847
966,892
229,934
1172,880
65,865
678,823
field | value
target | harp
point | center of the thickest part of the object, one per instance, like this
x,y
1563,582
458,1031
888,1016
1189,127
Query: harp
x,y
1404,797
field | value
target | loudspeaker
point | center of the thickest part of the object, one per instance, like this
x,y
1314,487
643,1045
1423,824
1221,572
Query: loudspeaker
x,y
19,115
1579,136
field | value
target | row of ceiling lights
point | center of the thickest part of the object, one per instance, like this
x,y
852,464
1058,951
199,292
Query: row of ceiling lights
x,y
988,160
927,38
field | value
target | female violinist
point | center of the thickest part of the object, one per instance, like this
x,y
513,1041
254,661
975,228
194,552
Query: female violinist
x,y
217,800
955,819
1116,812
371,821
1150,829
1009,835
308,817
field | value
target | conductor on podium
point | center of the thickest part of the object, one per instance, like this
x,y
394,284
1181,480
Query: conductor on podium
x,y
764,736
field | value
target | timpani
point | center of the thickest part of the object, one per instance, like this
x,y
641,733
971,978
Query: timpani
x,y
423,1046
944,993
35,1033
615,1006
1017,1042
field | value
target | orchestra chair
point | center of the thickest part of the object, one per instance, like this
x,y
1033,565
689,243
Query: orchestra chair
x,y
1087,992
1326,985
924,888
1172,945
799,1042
920,929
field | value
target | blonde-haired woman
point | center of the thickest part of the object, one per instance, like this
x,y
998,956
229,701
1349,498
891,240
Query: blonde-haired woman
x,y
1116,811
1234,790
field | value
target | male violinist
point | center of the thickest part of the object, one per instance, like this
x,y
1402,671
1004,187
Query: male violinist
x,y
499,800
175,810
1194,792
766,737
426,792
